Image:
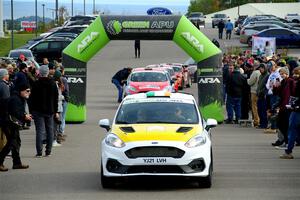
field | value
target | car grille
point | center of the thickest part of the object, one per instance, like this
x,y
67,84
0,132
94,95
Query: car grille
x,y
154,152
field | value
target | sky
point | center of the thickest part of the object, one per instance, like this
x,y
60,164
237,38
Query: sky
x,y
135,2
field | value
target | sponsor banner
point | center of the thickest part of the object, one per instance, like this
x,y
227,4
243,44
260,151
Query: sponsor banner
x,y
140,27
210,88
159,11
28,24
194,42
259,44
88,43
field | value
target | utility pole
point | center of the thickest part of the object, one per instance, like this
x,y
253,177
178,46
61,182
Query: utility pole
x,y
1,19
12,23
56,11
84,7
43,17
94,8
72,8
36,20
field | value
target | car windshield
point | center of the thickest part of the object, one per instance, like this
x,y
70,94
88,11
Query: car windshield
x,y
16,54
220,16
158,111
196,14
148,77
177,69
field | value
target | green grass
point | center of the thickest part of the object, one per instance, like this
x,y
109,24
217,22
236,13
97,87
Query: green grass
x,y
19,40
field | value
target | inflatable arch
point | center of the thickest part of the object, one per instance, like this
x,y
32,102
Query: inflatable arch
x,y
176,28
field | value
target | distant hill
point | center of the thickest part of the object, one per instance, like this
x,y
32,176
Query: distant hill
x,y
32,18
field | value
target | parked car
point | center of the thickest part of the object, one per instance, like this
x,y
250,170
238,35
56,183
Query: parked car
x,y
217,17
284,37
292,26
240,20
197,18
50,48
157,134
295,17
249,30
15,54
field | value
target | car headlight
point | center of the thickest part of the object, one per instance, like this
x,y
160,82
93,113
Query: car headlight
x,y
196,141
130,89
114,141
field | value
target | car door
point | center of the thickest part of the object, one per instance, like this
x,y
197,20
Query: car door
x,y
40,51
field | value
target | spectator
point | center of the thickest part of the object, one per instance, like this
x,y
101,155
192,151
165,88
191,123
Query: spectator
x,y
137,48
118,80
268,50
221,26
284,90
294,120
21,76
45,61
253,82
261,95
44,104
228,28
52,69
16,109
292,64
65,93
234,88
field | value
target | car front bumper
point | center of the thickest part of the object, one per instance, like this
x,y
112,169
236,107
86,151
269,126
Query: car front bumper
x,y
194,162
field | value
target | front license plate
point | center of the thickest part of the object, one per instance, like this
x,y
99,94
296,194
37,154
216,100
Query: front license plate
x,y
152,161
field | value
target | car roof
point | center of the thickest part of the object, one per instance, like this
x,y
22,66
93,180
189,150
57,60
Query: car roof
x,y
20,50
277,29
160,94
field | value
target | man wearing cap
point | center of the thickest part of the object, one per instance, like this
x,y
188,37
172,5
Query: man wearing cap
x,y
21,76
52,69
253,82
43,105
16,109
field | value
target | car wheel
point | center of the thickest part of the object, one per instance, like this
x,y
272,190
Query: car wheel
x,y
206,182
295,21
106,182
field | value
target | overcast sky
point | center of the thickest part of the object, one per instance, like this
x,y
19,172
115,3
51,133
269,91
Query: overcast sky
x,y
135,2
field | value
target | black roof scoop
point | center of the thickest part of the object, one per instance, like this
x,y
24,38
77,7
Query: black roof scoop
x,y
127,129
184,129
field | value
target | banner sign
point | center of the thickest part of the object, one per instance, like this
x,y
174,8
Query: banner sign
x,y
28,24
259,45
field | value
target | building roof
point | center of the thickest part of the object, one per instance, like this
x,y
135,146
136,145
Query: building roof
x,y
251,9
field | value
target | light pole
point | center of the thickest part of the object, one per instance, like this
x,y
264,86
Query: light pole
x,y
72,7
94,8
1,19
12,23
56,11
36,20
83,7
43,17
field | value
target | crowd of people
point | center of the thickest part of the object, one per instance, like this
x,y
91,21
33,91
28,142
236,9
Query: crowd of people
x,y
270,88
28,93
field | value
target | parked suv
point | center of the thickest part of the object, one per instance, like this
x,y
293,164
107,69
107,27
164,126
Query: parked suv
x,y
217,17
197,18
50,48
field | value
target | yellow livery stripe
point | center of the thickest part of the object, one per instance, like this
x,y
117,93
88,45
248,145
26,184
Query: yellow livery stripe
x,y
146,132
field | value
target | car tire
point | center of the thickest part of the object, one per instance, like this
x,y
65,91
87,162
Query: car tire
x,y
106,182
206,182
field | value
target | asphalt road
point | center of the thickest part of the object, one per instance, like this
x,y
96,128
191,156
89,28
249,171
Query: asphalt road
x,y
246,165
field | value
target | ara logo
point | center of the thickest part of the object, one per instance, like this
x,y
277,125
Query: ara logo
x,y
87,41
209,80
74,80
114,27
193,41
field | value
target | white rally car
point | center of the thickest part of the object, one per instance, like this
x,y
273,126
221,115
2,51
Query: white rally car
x,y
157,134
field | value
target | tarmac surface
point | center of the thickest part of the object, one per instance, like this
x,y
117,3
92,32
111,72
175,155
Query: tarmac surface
x,y
246,166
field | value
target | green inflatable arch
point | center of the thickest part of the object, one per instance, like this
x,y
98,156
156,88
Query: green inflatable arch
x,y
176,28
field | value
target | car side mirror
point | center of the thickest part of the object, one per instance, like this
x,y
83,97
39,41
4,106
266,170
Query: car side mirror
x,y
104,123
210,123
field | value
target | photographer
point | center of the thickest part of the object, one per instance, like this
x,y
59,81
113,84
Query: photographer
x,y
16,118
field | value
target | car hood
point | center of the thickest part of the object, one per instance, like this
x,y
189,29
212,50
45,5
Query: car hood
x,y
157,132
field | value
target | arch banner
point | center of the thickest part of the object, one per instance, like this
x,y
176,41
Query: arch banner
x,y
116,27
